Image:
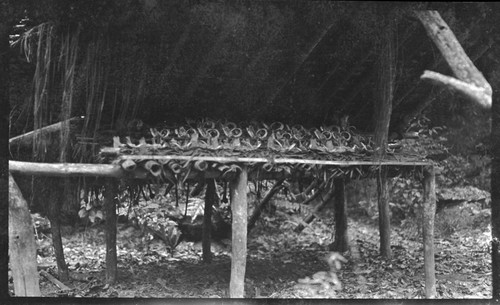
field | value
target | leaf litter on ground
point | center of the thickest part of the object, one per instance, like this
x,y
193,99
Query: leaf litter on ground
x,y
277,258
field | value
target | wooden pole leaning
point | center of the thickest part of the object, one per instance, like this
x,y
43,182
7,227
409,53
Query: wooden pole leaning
x,y
110,200
207,220
27,138
428,213
239,234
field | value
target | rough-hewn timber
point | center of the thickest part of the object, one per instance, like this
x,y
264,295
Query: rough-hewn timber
x,y
22,246
429,211
239,236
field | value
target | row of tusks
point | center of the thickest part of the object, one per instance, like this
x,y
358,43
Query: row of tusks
x,y
157,167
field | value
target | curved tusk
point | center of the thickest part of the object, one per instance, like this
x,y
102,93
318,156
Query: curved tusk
x,y
129,165
153,167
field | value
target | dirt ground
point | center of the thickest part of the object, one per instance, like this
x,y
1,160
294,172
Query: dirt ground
x,y
277,259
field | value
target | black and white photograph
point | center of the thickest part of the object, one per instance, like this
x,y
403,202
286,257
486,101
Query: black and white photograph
x,y
238,149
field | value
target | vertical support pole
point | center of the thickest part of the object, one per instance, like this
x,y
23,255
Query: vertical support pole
x,y
110,198
428,214
22,246
207,220
341,243
384,218
239,234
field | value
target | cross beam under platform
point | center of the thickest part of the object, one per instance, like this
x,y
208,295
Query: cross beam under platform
x,y
275,160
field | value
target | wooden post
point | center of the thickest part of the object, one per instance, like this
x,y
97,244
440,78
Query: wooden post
x,y
383,110
428,213
110,193
207,220
341,242
239,236
22,246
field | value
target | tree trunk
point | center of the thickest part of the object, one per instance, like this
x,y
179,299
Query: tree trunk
x,y
208,61
429,211
55,194
341,242
110,195
470,82
207,220
406,115
383,116
22,246
177,50
299,63
239,236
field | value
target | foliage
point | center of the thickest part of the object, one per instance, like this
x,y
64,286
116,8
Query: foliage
x,y
459,218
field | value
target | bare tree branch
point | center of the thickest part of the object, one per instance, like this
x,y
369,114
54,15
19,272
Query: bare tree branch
x,y
471,81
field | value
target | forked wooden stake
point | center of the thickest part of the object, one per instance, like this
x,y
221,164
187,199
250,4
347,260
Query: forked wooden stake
x,y
239,236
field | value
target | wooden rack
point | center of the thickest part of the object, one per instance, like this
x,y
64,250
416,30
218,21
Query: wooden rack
x,y
238,186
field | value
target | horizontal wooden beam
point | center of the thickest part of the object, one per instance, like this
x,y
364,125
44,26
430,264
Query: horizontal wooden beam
x,y
66,169
341,163
116,170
